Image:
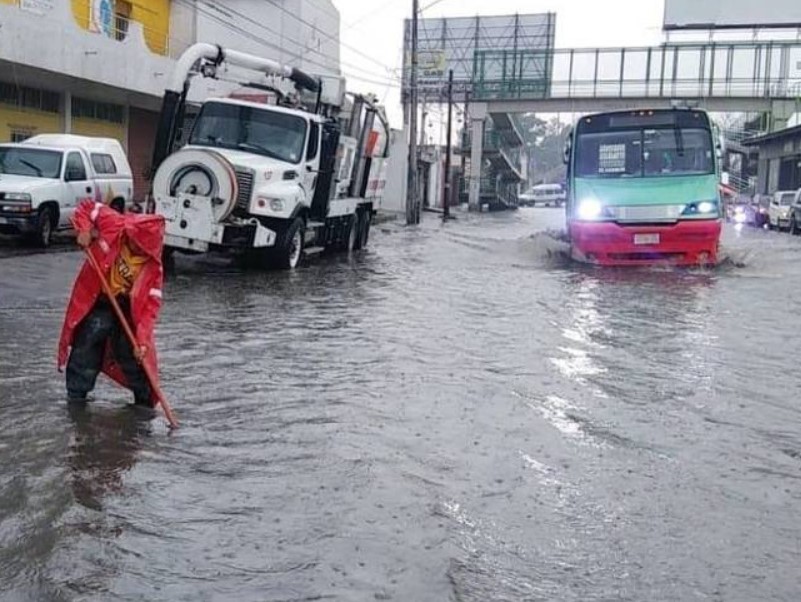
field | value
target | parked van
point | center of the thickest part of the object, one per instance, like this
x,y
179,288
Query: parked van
x,y
545,194
780,209
43,179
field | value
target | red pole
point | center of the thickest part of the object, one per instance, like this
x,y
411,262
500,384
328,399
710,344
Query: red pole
x,y
168,413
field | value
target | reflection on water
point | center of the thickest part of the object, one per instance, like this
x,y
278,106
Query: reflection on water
x,y
103,447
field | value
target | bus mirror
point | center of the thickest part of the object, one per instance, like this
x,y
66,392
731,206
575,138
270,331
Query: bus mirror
x,y
568,148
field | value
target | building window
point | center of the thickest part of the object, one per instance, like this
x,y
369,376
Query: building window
x,y
19,136
29,98
101,111
122,19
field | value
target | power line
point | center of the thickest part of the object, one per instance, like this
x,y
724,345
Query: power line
x,y
300,56
366,16
328,35
431,5
251,36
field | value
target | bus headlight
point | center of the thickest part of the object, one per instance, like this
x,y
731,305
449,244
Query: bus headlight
x,y
589,209
707,207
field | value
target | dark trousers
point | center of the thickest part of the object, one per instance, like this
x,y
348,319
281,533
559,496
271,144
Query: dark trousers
x,y
86,359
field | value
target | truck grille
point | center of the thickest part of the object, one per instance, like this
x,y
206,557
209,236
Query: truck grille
x,y
244,179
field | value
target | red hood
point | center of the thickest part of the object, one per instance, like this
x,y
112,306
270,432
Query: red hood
x,y
147,231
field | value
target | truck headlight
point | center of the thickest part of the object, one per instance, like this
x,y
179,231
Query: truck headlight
x,y
276,205
18,196
16,202
589,209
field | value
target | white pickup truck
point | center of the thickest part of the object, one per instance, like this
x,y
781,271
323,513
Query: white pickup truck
x,y
43,179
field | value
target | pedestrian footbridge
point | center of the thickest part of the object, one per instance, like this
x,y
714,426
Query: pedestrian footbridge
x,y
749,77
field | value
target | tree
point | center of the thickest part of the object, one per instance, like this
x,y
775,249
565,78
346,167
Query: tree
x,y
545,141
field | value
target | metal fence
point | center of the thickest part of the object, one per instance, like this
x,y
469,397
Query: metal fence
x,y
743,70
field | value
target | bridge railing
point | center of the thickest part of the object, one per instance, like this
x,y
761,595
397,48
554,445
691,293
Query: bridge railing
x,y
753,70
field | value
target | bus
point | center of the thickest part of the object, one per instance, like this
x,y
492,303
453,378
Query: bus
x,y
644,188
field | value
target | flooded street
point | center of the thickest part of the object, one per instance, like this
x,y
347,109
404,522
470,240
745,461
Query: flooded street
x,y
457,414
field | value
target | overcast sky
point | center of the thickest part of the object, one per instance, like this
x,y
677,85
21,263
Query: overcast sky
x,y
372,31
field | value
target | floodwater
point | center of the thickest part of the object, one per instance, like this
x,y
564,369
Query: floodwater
x,y
457,414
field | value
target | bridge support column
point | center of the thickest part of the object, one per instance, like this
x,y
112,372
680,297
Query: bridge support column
x,y
478,117
780,113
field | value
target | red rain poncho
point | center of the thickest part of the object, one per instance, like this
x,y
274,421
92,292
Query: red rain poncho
x,y
147,231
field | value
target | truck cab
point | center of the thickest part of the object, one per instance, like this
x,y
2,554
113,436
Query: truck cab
x,y
274,153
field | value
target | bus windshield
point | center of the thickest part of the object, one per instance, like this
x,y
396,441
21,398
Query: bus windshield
x,y
259,131
641,152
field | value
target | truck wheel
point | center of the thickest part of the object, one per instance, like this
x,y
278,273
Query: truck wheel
x,y
354,233
168,259
364,230
44,228
289,248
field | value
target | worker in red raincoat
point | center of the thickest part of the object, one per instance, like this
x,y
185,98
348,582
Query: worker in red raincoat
x,y
128,248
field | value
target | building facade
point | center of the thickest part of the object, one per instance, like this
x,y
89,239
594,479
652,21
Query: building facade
x,y
99,67
779,163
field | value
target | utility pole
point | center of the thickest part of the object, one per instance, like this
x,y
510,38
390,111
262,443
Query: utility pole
x,y
463,143
412,204
446,205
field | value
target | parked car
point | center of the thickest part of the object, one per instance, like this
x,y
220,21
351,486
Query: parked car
x,y
779,209
545,194
795,214
43,179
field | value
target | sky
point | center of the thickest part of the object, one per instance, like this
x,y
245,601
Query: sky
x,y
372,32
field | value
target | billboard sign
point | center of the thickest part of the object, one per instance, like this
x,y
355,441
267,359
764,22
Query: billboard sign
x,y
731,14
469,46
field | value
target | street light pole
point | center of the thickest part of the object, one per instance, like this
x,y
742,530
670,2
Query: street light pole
x,y
412,212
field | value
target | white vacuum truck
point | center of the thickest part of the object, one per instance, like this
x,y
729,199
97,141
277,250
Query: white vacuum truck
x,y
300,174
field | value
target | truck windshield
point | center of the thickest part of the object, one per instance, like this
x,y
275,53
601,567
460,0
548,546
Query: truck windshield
x,y
30,162
252,130
645,153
